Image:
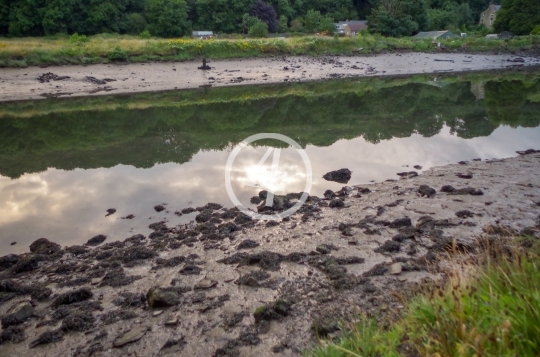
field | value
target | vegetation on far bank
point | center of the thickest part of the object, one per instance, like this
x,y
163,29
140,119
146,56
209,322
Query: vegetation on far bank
x,y
76,49
491,312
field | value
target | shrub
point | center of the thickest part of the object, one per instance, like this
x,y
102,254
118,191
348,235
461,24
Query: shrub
x,y
117,55
76,38
258,29
145,34
536,30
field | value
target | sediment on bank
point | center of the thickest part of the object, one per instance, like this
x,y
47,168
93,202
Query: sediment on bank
x,y
226,285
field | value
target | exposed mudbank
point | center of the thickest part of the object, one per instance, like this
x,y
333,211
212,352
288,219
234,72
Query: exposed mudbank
x,y
227,285
71,81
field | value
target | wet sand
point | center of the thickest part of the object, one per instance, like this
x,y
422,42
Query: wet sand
x,y
23,84
323,265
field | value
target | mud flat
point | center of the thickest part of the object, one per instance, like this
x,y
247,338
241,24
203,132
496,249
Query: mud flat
x,y
230,286
68,81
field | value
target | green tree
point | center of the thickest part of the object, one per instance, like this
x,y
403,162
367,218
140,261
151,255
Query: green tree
x,y
222,15
398,17
327,24
297,25
258,29
312,20
282,24
167,18
518,16
134,23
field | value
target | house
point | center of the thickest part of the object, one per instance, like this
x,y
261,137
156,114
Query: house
x,y
487,18
351,28
202,34
435,35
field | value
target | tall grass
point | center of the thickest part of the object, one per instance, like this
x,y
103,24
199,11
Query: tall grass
x,y
494,313
77,49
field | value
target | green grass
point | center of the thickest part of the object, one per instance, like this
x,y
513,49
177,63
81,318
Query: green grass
x,y
106,48
494,313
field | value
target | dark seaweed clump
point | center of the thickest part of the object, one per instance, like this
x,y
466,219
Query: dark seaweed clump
x,y
72,297
78,321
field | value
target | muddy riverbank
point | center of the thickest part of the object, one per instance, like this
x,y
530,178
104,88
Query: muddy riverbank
x,y
230,286
70,81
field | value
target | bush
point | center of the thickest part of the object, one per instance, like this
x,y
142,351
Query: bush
x,y
135,23
117,55
258,29
76,38
536,30
145,34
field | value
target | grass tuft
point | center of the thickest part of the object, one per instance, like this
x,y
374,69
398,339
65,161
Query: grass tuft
x,y
494,313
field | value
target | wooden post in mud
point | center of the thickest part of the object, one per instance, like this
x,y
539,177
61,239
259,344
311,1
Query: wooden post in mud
x,y
204,63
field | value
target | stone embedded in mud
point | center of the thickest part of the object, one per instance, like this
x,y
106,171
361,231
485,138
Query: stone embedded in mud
x,y
400,222
97,240
379,269
12,334
426,191
7,261
329,194
325,248
78,321
188,210
336,203
110,211
159,208
172,346
205,284
253,278
190,269
160,297
72,297
17,314
131,336
274,311
46,338
447,188
341,176
464,214
467,191
247,244
465,176
204,216
389,246
44,246
129,299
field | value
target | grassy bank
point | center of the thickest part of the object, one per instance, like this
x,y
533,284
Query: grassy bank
x,y
494,312
24,52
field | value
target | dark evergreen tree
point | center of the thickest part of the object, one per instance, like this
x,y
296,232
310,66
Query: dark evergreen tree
x,y
266,14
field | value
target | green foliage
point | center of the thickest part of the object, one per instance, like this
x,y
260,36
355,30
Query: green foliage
x,y
536,30
167,18
283,24
398,18
76,38
258,29
117,55
135,23
312,20
326,23
297,25
145,34
518,16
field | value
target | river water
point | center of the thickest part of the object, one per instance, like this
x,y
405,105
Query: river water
x,y
64,162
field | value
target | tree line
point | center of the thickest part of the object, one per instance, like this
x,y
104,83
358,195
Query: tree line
x,y
173,18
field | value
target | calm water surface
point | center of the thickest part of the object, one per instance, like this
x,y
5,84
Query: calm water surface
x,y
61,169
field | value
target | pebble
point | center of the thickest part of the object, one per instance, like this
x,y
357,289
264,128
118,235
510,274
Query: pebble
x,y
395,269
157,313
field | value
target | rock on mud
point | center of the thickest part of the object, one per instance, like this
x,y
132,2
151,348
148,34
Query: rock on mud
x,y
18,314
44,246
341,176
426,191
159,297
131,336
97,240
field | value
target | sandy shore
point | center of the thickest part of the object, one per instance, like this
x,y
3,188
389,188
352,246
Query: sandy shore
x,y
23,84
322,265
